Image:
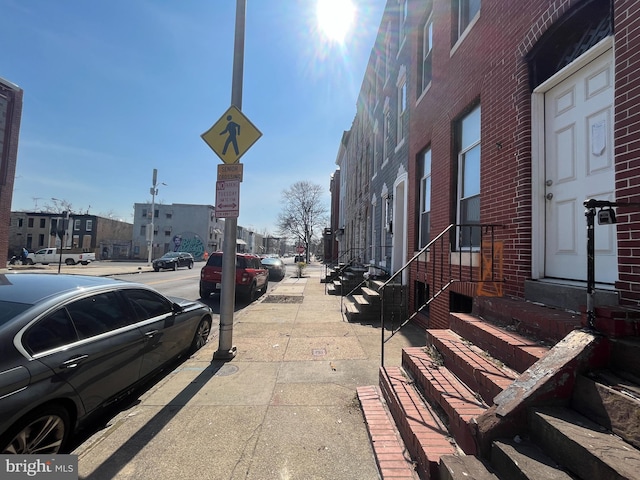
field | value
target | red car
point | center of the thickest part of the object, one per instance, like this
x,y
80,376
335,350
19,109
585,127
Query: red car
x,y
251,276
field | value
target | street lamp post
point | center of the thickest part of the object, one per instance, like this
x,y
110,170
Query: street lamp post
x,y
150,234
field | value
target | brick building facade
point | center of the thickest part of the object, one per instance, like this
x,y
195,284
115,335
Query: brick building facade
x,y
10,116
515,115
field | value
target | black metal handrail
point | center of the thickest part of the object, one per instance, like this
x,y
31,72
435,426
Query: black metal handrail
x,y
345,259
442,273
606,215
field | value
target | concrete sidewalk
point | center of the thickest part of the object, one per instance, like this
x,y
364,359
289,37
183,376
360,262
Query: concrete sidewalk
x,y
284,408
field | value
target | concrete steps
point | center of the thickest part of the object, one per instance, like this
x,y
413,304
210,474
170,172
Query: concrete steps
x,y
489,400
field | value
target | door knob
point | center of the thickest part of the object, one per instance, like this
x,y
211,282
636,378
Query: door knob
x,y
549,196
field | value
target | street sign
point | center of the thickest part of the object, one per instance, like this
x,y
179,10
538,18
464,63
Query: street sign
x,y
230,172
231,136
227,199
300,249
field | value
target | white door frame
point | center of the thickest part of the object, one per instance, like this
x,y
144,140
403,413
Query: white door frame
x,y
538,200
399,240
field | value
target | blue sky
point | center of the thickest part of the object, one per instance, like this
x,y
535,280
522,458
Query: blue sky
x,y
115,89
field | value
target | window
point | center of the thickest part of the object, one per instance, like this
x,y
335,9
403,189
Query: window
x,y
43,222
469,178
51,332
41,240
424,75
402,103
402,20
20,222
30,223
168,215
156,213
464,12
387,54
386,132
424,169
376,149
147,304
98,314
143,230
144,213
89,226
76,225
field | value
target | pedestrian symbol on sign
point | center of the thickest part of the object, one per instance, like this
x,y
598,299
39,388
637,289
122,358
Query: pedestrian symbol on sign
x,y
231,130
224,136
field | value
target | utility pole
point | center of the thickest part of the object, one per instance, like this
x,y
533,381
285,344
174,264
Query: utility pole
x,y
226,349
154,191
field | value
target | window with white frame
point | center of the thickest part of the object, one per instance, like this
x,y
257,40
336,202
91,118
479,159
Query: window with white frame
x,y
402,21
402,103
386,132
464,11
387,54
424,170
377,79
427,49
388,214
76,224
469,178
89,225
376,148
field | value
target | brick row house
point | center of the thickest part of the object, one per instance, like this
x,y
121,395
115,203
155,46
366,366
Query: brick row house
x,y
10,117
483,127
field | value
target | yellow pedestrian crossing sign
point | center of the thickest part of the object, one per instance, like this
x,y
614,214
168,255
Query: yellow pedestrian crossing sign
x,y
231,136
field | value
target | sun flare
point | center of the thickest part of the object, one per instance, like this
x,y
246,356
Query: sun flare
x,y
335,18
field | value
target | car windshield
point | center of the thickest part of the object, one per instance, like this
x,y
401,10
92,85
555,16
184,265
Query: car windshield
x,y
8,310
171,255
271,261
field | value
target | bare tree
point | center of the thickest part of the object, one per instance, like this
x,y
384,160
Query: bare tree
x,y
303,213
57,206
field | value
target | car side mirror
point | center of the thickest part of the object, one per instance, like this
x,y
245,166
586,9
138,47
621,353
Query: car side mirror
x,y
177,308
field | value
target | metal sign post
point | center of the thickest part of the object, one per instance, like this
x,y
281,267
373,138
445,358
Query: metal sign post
x,y
226,349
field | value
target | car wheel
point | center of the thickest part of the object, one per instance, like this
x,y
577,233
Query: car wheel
x,y
251,293
204,293
202,334
29,261
190,265
156,269
69,261
175,267
85,263
266,285
43,431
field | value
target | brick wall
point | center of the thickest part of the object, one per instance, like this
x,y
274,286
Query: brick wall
x,y
8,159
627,145
489,67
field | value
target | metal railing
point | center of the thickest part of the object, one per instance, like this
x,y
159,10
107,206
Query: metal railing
x,y
606,216
475,256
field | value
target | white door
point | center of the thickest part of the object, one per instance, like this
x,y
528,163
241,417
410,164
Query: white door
x,y
579,165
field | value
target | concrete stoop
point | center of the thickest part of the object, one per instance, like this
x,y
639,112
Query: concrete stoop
x,y
483,401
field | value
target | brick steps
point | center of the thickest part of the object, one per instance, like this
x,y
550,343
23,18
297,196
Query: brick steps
x,y
441,399
470,364
391,455
422,430
460,405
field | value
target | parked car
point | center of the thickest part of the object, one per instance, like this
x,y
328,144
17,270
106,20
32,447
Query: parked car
x,y
73,343
173,260
277,268
251,276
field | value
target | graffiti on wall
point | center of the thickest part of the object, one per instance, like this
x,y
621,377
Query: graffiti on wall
x,y
491,282
189,242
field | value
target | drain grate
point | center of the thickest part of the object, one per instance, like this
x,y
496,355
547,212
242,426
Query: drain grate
x,y
318,352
